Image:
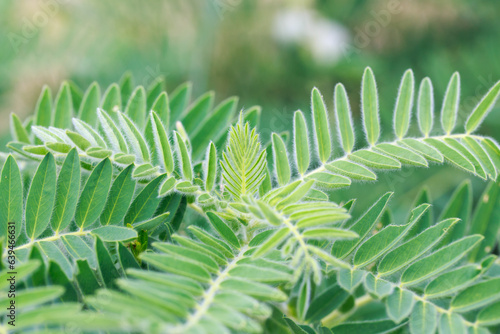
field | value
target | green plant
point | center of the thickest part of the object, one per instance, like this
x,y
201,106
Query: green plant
x,y
203,229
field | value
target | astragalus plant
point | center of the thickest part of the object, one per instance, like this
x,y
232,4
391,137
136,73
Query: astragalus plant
x,y
142,212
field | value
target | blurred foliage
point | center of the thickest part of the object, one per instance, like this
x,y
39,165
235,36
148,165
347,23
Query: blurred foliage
x,y
230,46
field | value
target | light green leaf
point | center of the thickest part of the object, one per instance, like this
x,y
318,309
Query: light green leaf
x,y
378,287
257,290
162,144
369,106
225,231
375,160
11,201
115,233
414,248
145,171
144,205
399,304
79,140
384,240
349,279
304,297
281,163
296,195
477,150
427,151
342,248
63,107
134,137
438,261
451,155
327,258
90,103
43,110
351,169
452,281
111,100
425,107
136,107
404,155
31,298
271,242
327,180
321,126
450,104
113,134
175,265
477,296
301,142
451,323
489,316
329,233
41,197
404,104
79,249
482,109
68,188
423,319
17,130
478,168
211,167
53,253
187,170
94,194
197,112
88,133
119,198
344,120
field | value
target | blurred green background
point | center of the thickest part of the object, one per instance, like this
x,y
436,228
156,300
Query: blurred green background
x,y
267,52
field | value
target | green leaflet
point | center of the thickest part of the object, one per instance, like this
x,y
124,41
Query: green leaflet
x,y
485,221
63,107
68,188
326,302
114,233
349,279
399,304
329,233
89,104
404,104
32,297
162,143
414,248
144,205
185,157
106,266
438,261
254,289
113,134
451,323
378,287
404,155
79,249
43,110
162,109
425,107
369,107
476,296
120,196
489,316
41,197
351,169
111,100
492,149
363,327
197,112
136,107
78,140
301,142
478,168
211,167
126,84
342,248
451,155
17,130
179,100
344,120
476,149
482,109
88,133
384,240
423,319
86,278
53,253
225,232
134,137
281,164
427,151
375,160
94,194
154,90
450,104
272,242
329,181
450,282
11,201
304,297
321,126
175,265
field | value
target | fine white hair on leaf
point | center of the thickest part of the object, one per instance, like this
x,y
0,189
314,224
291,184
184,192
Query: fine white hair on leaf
x,y
348,128
404,104
425,128
370,107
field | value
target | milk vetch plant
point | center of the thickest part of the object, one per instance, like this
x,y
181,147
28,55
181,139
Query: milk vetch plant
x,y
142,211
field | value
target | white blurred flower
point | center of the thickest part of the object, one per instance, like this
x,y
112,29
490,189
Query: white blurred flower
x,y
324,38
